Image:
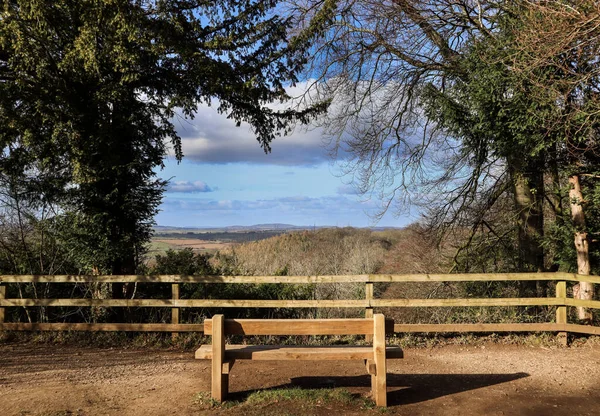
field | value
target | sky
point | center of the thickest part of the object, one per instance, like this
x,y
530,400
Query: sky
x,y
226,179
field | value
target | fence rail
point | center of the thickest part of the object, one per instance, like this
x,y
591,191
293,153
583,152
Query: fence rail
x,y
358,278
560,300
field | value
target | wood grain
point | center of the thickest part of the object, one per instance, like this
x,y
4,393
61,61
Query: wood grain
x,y
369,292
253,303
21,326
561,312
218,385
411,303
379,352
357,326
295,326
175,311
549,327
363,278
294,352
583,329
595,304
186,303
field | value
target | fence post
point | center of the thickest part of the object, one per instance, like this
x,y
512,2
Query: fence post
x,y
2,296
369,309
175,311
561,312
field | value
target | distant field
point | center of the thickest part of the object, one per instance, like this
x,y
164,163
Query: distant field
x,y
195,244
161,245
223,236
202,242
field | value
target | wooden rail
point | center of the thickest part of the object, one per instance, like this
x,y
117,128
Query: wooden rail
x,y
560,300
360,278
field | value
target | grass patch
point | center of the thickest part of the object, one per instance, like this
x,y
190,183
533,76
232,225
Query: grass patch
x,y
313,396
203,399
289,399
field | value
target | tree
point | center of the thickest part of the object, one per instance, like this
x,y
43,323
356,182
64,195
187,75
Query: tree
x,y
89,90
557,49
490,109
380,64
471,101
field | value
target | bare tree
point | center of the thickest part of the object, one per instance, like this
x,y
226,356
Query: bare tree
x,y
376,62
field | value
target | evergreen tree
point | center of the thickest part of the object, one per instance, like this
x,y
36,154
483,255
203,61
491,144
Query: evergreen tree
x,y
89,90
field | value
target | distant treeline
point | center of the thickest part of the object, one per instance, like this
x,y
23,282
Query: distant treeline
x,y
242,236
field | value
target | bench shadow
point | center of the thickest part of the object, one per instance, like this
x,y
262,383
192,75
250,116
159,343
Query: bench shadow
x,y
403,389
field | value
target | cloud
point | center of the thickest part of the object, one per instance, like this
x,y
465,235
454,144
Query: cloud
x,y
213,138
299,210
290,203
216,139
347,190
188,186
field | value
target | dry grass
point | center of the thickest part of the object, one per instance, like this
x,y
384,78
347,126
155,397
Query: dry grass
x,y
195,244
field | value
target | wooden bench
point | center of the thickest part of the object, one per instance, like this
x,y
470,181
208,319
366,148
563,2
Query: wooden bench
x,y
223,356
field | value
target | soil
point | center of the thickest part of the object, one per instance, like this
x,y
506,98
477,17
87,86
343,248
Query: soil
x,y
450,380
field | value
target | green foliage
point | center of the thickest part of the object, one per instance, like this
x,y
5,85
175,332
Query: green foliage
x,y
592,208
89,90
183,262
488,107
506,118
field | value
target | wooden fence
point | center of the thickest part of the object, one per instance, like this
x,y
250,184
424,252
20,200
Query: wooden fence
x,y
560,301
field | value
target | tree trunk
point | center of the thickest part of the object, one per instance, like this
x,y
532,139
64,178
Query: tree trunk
x,y
554,215
583,290
554,194
528,188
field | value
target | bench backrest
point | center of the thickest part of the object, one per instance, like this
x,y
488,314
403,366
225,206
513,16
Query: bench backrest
x,y
298,326
219,327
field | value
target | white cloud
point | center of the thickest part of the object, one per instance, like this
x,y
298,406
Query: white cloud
x,y
347,190
187,186
213,138
291,203
299,210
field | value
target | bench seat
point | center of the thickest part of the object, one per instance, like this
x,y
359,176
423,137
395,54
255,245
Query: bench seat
x,y
293,352
224,356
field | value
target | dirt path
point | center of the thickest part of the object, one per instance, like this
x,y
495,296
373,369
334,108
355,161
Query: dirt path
x,y
452,380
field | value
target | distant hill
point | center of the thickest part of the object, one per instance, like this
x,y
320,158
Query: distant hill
x,y
160,229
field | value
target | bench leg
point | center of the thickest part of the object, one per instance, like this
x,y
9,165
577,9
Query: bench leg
x,y
379,380
220,381
370,366
224,386
227,366
372,371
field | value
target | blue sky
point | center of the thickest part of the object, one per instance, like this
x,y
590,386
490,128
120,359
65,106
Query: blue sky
x,y
227,179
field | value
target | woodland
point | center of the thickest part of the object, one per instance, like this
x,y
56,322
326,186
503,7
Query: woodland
x,y
483,115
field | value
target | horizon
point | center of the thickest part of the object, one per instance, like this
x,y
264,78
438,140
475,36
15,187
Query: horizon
x,y
273,226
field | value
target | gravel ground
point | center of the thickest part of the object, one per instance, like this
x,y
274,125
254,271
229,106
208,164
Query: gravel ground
x,y
490,379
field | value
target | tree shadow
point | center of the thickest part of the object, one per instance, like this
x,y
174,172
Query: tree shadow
x,y
403,389
418,388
